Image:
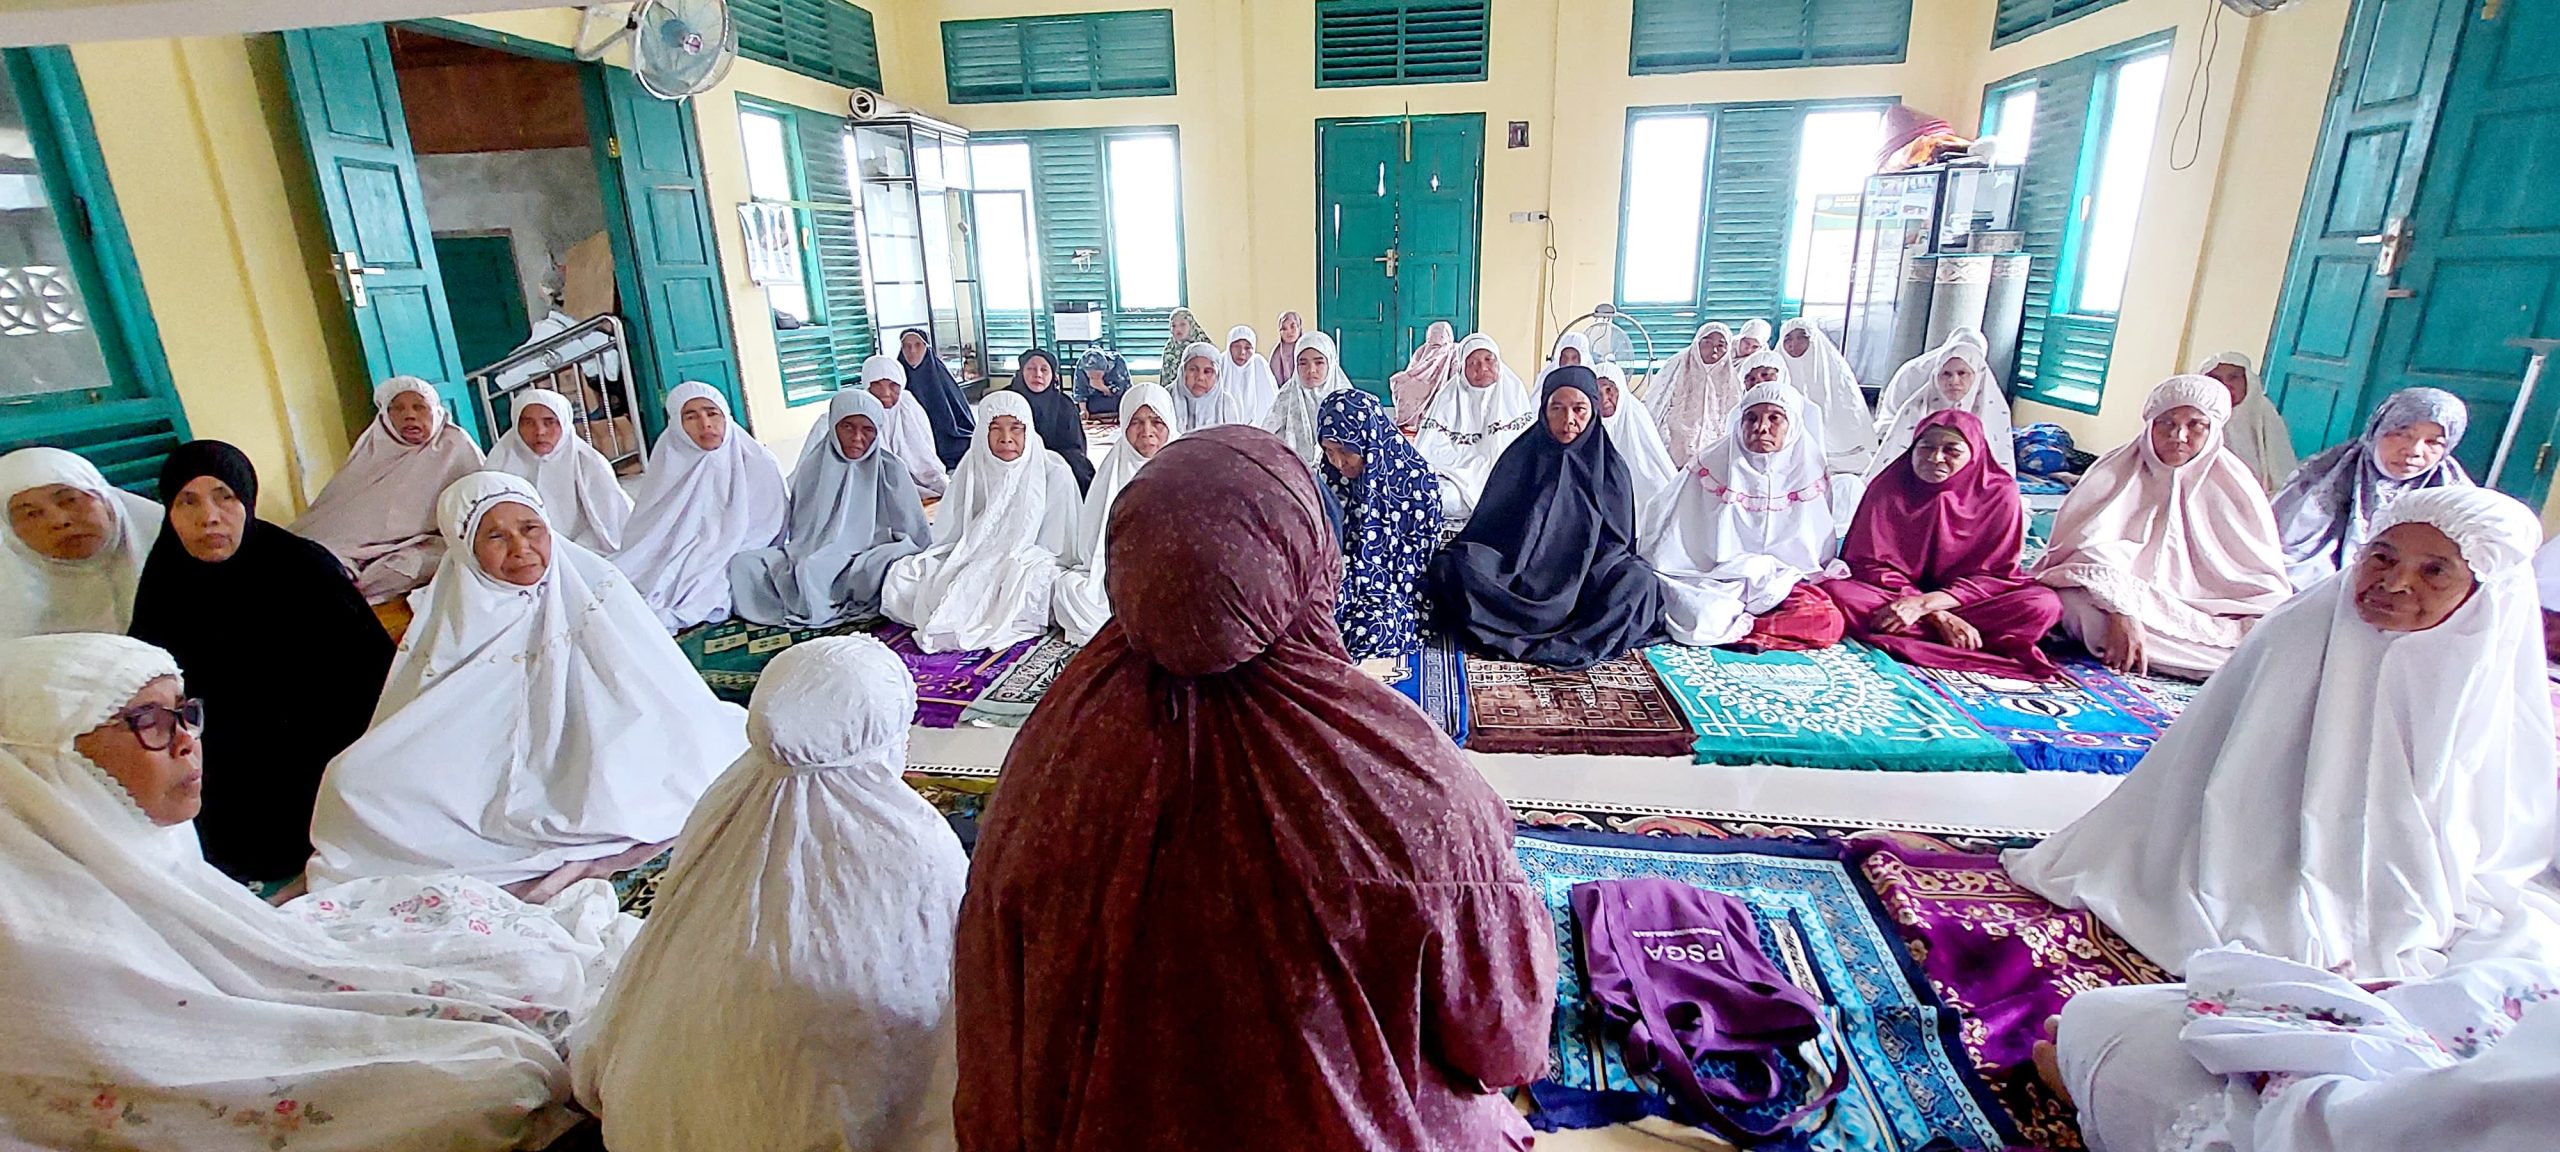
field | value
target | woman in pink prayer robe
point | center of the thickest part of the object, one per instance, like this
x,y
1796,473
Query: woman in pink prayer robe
x,y
1933,560
1236,893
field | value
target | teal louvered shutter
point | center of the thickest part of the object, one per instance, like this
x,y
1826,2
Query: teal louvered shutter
x,y
1765,31
1358,43
2014,20
1677,36
1068,201
1750,204
1699,35
982,60
836,238
1860,31
853,43
1446,41
832,40
1057,56
1369,42
2047,188
1079,56
1133,53
761,30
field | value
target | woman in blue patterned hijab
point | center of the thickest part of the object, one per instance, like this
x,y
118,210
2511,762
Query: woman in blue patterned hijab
x,y
1390,523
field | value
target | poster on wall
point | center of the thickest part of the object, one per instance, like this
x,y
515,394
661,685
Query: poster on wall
x,y
773,242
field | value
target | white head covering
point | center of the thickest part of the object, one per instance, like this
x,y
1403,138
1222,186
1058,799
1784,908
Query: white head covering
x,y
522,728
1223,405
1581,346
1895,431
2339,794
2546,574
135,976
1466,427
1921,371
1002,531
1691,398
1823,375
1754,329
1650,468
1293,415
2189,551
851,517
575,480
695,510
909,433
2256,434
804,934
384,501
39,594
1251,382
1745,527
1081,602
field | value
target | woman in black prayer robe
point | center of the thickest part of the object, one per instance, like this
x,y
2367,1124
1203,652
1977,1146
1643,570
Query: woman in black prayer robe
x,y
1053,411
946,407
1546,571
276,641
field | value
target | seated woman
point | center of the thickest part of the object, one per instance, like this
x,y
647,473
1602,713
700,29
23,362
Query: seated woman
x,y
1102,378
1010,518
1916,373
1750,526
1547,571
1308,852
1963,384
1081,600
2368,783
710,493
805,936
1200,395
946,407
1053,412
575,480
1293,415
1650,468
378,514
1752,340
1692,397
1435,362
1390,524
1470,421
2257,433
75,547
1283,359
908,435
156,1003
1181,331
1933,561
854,513
2165,554
1821,373
221,592
1246,375
537,717
1572,349
2325,512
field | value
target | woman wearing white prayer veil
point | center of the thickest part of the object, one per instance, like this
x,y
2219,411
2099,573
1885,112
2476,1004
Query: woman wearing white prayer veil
x,y
1818,370
1080,602
1010,517
793,987
1962,383
1470,421
149,1001
854,513
378,514
75,546
2256,434
1752,339
1750,524
1693,396
576,481
1293,415
1915,373
2368,785
1649,467
909,433
1201,398
536,717
1572,349
1247,376
711,492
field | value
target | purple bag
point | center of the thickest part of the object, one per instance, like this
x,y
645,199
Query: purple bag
x,y
1679,970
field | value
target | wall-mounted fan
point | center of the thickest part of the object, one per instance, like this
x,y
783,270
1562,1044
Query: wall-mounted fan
x,y
679,48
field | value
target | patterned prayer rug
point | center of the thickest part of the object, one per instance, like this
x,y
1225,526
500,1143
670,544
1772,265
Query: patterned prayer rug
x,y
1690,822
1846,706
1613,708
1910,1083
2090,720
2172,695
731,655
1009,701
948,682
2002,956
637,889
1434,677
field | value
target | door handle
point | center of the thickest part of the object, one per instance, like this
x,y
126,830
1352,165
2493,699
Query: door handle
x,y
2395,238
1389,260
351,271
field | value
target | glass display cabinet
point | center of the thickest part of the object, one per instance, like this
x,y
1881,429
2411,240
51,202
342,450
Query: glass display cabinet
x,y
919,267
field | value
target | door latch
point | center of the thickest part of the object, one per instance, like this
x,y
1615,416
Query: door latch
x,y
351,271
1390,260
2395,239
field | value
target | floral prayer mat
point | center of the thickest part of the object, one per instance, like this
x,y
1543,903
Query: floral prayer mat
x,y
1434,677
731,655
1911,1085
1009,701
1613,708
948,682
2090,720
1846,706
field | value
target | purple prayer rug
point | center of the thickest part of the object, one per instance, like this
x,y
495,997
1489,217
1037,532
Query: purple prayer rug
x,y
948,682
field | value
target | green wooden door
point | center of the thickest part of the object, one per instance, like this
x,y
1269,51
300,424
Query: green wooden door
x,y
487,295
2483,265
664,261
1408,186
347,101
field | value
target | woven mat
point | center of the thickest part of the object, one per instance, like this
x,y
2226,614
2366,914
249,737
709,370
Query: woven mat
x,y
1009,701
948,682
1616,707
1847,706
731,655
2090,720
1434,677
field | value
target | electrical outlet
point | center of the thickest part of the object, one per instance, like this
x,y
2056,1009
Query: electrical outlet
x,y
1528,217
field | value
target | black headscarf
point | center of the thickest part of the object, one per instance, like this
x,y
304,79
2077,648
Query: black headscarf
x,y
1055,417
284,653
944,404
1546,570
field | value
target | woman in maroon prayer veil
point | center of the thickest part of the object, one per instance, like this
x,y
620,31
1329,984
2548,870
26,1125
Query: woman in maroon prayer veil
x,y
1236,893
1933,560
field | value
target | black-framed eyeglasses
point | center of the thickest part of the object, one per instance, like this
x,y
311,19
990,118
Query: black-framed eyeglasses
x,y
156,725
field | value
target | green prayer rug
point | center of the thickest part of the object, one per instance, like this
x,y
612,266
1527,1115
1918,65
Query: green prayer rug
x,y
731,655
1847,706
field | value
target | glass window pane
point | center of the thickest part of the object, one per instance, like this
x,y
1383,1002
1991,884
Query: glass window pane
x,y
1004,250
2012,122
46,344
1146,221
2132,121
1666,197
768,158
1832,166
1003,165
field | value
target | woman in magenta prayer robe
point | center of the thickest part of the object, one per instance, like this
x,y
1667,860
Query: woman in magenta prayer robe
x,y
1236,893
1933,560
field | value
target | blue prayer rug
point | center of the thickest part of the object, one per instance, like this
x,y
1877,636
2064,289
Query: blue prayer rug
x,y
1911,1086
2090,720
1434,677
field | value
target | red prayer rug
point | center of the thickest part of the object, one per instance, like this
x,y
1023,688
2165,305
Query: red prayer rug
x,y
1614,708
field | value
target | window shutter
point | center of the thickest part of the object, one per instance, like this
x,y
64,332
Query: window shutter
x,y
2016,20
1750,195
1859,30
2045,188
1134,53
1081,56
837,240
831,40
761,34
1368,42
1067,199
982,60
1677,36
1700,35
1760,31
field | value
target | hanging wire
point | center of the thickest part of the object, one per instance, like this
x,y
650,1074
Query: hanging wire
x,y
2199,90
